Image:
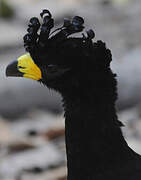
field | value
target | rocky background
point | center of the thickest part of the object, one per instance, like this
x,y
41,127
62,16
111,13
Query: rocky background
x,y
31,118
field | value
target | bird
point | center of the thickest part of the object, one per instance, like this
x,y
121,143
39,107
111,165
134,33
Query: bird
x,y
79,69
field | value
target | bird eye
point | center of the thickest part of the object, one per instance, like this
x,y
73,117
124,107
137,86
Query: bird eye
x,y
52,68
50,65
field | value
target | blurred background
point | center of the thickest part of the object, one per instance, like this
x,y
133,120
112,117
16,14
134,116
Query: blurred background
x,y
31,118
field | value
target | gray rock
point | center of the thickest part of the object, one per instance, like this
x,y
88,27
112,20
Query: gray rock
x,y
132,121
42,157
129,82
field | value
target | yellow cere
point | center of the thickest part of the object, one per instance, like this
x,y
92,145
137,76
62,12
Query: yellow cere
x,y
27,66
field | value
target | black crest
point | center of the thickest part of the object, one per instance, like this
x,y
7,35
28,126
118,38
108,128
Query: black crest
x,y
41,38
39,34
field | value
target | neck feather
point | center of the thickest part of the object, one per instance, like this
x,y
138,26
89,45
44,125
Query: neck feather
x,y
94,140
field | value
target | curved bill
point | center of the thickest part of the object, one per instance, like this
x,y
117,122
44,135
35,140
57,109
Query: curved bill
x,y
24,66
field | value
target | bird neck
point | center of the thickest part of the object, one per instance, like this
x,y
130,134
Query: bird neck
x,y
94,140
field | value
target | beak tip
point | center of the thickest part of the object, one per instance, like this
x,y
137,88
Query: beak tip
x,y
7,73
11,69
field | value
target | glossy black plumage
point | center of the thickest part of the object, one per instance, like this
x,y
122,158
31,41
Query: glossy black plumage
x,y
96,149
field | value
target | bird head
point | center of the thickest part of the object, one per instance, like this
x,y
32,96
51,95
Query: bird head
x,y
57,59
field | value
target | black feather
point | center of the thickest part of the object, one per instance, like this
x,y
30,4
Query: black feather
x,y
95,146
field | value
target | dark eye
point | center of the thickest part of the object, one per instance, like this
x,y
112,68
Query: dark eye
x,y
50,65
52,68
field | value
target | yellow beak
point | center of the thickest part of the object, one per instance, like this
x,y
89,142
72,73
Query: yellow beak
x,y
24,67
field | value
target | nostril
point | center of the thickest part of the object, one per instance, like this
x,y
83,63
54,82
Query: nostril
x,y
20,67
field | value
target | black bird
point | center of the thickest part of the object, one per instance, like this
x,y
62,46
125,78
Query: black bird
x,y
79,69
